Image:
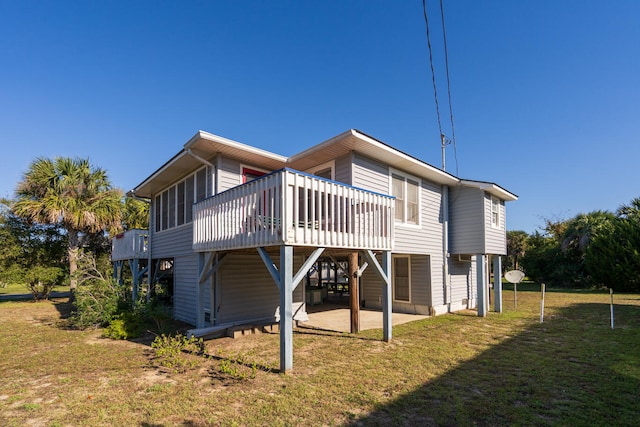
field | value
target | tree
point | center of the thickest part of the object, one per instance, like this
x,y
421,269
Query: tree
x,y
613,257
135,214
31,254
72,194
516,248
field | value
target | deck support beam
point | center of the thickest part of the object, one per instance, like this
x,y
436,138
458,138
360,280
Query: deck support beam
x,y
497,283
482,284
383,270
354,295
287,283
286,308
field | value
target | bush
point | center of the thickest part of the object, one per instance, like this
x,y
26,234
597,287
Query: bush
x,y
41,280
98,298
171,351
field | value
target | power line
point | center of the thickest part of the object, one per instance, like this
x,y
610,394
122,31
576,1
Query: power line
x,y
433,73
443,138
446,63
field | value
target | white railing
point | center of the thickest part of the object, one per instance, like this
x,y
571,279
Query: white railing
x,y
294,208
131,244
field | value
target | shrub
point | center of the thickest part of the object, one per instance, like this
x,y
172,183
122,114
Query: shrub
x,y
98,298
124,326
172,351
41,280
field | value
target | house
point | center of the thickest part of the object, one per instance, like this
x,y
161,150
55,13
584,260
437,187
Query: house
x,y
237,229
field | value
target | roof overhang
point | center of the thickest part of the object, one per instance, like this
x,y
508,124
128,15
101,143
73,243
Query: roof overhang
x,y
491,188
356,141
202,149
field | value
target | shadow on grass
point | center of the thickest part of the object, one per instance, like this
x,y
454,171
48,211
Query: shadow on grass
x,y
571,370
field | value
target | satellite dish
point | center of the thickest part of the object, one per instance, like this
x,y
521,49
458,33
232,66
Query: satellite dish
x,y
514,276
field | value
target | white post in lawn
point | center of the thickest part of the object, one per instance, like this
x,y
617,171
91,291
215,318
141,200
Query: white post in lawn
x,y
286,308
542,303
611,306
482,285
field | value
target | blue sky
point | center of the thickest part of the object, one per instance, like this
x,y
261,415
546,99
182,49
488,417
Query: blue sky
x,y
545,93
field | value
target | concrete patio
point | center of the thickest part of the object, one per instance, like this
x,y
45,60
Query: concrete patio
x,y
338,318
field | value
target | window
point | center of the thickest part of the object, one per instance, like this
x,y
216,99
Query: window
x,y
401,278
189,198
181,203
174,206
325,170
495,212
407,193
249,175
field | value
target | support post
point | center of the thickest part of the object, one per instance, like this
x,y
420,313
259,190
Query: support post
x,y
286,308
384,272
386,297
354,298
497,283
482,285
135,282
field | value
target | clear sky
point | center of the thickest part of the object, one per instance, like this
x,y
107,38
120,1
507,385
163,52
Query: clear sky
x,y
545,93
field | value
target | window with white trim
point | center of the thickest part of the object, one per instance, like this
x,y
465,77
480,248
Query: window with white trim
x,y
401,278
406,190
495,212
174,206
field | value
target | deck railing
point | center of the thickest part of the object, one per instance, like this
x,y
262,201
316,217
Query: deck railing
x,y
294,208
131,244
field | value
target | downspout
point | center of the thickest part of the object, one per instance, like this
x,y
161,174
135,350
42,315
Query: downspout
x,y
445,247
203,160
213,288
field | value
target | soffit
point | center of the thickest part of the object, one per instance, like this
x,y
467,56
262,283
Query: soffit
x,y
356,141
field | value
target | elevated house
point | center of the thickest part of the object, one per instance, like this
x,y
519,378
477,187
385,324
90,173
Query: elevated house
x,y
247,235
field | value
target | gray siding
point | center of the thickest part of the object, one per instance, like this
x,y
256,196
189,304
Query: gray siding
x,y
185,270
466,221
462,280
173,242
370,174
228,173
343,169
495,238
421,274
247,290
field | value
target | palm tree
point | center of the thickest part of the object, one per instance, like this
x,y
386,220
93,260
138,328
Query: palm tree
x,y
72,194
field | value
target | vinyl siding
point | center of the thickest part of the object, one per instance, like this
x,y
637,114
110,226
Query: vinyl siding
x,y
185,271
466,221
495,238
370,174
343,169
462,280
174,242
247,290
228,173
421,273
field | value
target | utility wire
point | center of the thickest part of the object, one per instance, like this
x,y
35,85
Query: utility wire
x,y
443,138
433,73
446,62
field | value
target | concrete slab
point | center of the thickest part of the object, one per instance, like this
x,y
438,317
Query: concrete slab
x,y
339,319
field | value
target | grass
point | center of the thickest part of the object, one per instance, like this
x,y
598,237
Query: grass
x,y
457,369
18,288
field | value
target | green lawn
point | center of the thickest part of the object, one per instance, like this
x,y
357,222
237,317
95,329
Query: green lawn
x,y
17,288
457,369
